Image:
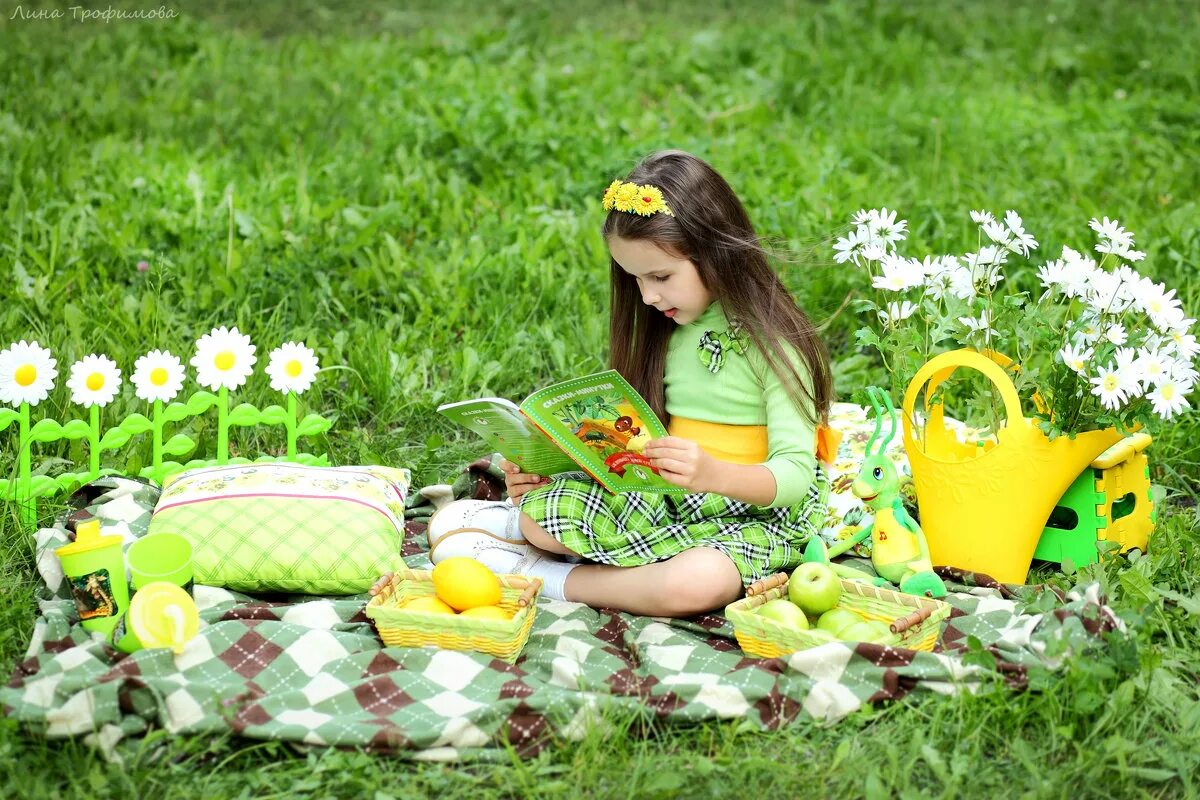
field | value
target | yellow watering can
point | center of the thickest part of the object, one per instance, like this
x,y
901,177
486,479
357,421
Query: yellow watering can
x,y
984,505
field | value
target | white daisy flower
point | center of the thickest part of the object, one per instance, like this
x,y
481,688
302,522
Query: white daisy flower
x,y
1021,241
982,217
896,312
1076,358
1052,274
1184,343
94,381
886,227
961,284
996,232
1120,251
1107,386
292,368
1116,334
1168,399
850,247
898,274
27,373
224,358
1130,371
1111,231
158,375
1183,373
981,324
1153,365
1158,303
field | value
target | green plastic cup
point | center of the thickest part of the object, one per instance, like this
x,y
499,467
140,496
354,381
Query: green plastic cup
x,y
95,572
161,557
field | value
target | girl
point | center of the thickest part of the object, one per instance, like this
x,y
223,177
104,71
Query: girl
x,y
706,332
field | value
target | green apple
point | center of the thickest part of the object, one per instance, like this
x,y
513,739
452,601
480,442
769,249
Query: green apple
x,y
821,636
785,613
837,619
815,587
865,631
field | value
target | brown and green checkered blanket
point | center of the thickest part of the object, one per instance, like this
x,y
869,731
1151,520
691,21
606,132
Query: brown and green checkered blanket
x,y
312,670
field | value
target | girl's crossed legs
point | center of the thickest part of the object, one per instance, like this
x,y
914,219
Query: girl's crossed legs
x,y
693,582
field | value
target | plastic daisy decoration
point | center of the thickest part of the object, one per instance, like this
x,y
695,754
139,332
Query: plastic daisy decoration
x,y
292,368
27,373
224,359
94,381
157,376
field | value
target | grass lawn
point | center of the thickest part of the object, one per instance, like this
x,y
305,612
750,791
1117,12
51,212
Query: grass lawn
x,y
414,191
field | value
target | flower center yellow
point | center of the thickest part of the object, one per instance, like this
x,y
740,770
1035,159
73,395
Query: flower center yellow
x,y
293,368
95,381
158,376
25,375
1167,392
1110,382
224,360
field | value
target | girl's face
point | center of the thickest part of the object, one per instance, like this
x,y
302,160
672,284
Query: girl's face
x,y
669,283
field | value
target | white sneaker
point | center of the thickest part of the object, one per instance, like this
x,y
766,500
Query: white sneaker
x,y
485,530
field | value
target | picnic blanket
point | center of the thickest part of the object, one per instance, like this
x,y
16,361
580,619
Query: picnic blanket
x,y
312,670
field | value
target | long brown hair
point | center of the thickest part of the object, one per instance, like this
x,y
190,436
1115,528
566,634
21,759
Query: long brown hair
x,y
711,229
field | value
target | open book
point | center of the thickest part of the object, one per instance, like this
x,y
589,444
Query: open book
x,y
597,423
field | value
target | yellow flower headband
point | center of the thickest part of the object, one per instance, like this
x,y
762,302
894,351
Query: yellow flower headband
x,y
644,200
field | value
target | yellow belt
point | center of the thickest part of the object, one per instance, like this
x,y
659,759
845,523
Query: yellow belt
x,y
744,444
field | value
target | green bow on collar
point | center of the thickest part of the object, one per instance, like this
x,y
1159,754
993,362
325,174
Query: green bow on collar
x,y
713,346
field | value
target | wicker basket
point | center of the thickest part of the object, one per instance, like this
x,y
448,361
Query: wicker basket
x,y
914,621
503,639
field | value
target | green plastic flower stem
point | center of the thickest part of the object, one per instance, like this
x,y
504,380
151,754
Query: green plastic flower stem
x,y
27,503
291,425
94,443
156,459
223,425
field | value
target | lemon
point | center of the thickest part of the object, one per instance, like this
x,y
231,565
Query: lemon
x,y
488,612
429,605
464,583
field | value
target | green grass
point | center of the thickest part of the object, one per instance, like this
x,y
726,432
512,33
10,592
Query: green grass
x,y
415,193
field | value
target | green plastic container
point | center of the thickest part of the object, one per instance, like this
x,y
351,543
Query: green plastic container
x,y
95,571
161,557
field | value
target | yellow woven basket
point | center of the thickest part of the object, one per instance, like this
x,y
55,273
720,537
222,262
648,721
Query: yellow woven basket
x,y
503,639
914,621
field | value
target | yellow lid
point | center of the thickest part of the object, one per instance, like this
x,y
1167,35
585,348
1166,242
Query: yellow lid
x,y
87,537
163,615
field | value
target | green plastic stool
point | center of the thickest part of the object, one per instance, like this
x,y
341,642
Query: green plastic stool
x,y
1110,500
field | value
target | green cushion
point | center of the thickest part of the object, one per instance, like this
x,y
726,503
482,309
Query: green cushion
x,y
287,527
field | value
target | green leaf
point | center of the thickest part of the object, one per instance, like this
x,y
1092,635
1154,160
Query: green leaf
x,y
200,402
7,417
135,424
273,415
179,444
42,485
245,414
175,412
113,438
46,430
69,480
312,425
76,429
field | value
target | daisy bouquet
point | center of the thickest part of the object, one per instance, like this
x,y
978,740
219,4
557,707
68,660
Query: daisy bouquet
x,y
1093,343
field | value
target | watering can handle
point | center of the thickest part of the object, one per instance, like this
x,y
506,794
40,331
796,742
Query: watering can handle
x,y
940,367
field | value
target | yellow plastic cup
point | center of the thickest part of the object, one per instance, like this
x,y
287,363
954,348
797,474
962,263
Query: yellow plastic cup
x,y
161,557
984,506
95,571
161,614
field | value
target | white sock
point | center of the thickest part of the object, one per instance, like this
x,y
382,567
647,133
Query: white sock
x,y
540,564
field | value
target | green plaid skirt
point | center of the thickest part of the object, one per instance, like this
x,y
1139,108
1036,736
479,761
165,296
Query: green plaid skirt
x,y
635,528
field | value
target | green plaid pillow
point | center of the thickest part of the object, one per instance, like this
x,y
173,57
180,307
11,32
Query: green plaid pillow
x,y
287,527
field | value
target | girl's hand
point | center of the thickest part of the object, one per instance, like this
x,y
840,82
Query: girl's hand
x,y
517,482
683,463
